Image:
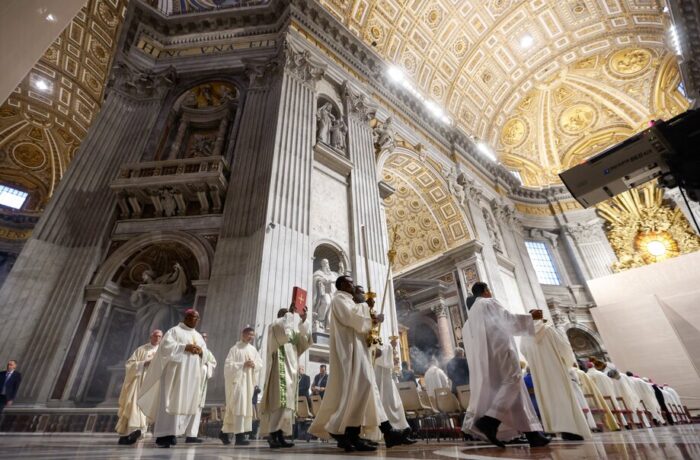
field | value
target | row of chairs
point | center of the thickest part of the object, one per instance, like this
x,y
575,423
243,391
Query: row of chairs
x,y
439,414
623,413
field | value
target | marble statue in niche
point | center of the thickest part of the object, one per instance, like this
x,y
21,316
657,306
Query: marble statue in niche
x,y
384,134
493,231
157,300
325,119
167,200
455,183
338,132
324,287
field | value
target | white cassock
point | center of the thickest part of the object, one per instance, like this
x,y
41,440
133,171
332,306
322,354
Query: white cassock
x,y
173,385
352,397
674,394
550,357
581,398
287,338
240,385
646,391
495,377
191,422
130,416
632,399
591,388
435,378
607,388
388,391
668,399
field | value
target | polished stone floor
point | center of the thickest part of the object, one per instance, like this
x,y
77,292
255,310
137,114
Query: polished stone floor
x,y
681,442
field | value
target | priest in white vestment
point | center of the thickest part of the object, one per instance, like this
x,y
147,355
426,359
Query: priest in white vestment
x,y
435,378
352,403
287,338
499,404
580,397
241,373
591,388
192,421
173,385
632,399
646,392
607,389
132,422
550,356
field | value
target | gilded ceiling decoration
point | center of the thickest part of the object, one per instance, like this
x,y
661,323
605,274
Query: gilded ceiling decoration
x,y
197,6
522,75
592,104
427,219
44,120
642,229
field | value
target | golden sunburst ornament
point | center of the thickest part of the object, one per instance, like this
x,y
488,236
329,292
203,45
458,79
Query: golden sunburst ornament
x,y
643,230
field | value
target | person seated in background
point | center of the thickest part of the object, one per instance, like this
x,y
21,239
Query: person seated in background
x,y
458,369
320,381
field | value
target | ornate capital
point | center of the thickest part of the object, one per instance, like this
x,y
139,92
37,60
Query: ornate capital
x,y
473,191
299,63
262,73
141,84
357,104
583,232
439,310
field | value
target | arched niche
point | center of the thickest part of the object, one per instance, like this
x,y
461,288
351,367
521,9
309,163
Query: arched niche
x,y
584,343
331,129
329,262
198,123
146,283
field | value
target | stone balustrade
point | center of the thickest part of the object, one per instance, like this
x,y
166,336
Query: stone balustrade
x,y
171,187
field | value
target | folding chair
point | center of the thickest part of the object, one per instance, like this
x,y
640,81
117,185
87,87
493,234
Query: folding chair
x,y
598,413
448,405
315,404
616,412
463,395
413,404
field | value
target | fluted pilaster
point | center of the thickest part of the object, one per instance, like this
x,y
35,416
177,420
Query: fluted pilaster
x,y
590,247
42,299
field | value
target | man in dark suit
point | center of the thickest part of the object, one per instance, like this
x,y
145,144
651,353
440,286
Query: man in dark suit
x,y
304,383
320,380
9,384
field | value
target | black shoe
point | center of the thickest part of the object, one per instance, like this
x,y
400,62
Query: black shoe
x,y
369,441
393,438
489,426
241,440
124,440
343,442
164,441
273,442
191,440
283,442
361,446
224,438
571,437
537,439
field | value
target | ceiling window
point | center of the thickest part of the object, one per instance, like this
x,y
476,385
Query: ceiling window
x,y
12,197
543,263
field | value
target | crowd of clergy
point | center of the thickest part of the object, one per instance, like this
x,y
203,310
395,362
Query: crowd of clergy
x,y
548,393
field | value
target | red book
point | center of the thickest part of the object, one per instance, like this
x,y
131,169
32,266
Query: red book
x,y
298,298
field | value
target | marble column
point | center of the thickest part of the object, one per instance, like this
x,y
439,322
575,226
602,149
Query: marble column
x,y
589,247
264,249
365,202
525,276
444,333
42,299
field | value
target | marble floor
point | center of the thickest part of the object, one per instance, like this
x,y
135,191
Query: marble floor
x,y
681,442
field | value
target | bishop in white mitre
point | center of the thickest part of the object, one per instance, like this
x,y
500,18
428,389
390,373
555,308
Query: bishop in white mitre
x,y
287,338
646,392
499,405
632,399
132,422
192,421
550,356
172,388
352,403
241,373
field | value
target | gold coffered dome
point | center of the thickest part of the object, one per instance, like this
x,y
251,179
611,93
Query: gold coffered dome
x,y
545,83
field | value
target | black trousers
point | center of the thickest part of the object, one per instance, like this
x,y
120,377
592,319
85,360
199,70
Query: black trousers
x,y
3,402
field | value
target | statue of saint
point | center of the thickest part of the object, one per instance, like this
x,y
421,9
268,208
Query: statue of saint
x,y
325,119
324,287
157,300
384,134
338,132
